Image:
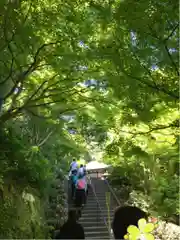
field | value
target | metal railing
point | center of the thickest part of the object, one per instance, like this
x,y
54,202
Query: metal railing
x,y
113,193
118,203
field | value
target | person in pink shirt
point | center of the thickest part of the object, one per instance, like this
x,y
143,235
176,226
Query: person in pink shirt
x,y
80,193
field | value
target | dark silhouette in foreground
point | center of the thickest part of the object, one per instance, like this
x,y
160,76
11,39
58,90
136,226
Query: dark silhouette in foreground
x,y
125,216
71,229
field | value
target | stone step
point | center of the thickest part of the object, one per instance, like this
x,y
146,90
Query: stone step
x,y
100,228
91,223
96,211
92,204
99,199
101,196
97,216
96,233
89,201
91,219
84,214
94,208
91,207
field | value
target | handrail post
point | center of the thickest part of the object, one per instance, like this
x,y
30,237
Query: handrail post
x,y
113,193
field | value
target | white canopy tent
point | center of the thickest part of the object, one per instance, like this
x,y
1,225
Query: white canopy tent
x,y
95,166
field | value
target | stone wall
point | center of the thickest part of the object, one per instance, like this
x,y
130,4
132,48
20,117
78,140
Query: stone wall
x,y
21,215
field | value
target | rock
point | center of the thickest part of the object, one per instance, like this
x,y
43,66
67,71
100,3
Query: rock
x,y
167,231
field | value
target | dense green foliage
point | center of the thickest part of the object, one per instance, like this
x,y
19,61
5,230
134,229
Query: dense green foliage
x,y
20,219
48,49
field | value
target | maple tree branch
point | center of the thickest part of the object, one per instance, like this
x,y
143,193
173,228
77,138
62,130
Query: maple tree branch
x,y
28,12
37,90
159,127
45,139
37,115
32,67
171,59
10,72
166,47
174,124
155,87
172,32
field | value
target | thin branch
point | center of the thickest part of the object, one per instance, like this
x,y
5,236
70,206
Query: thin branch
x,y
14,32
166,48
30,69
37,136
94,99
72,109
45,139
43,65
172,61
172,32
40,49
21,78
20,88
60,100
10,50
51,85
60,113
145,68
160,127
50,95
28,12
160,88
37,90
10,72
44,104
4,30
40,87
6,116
38,98
150,85
152,129
37,115
55,94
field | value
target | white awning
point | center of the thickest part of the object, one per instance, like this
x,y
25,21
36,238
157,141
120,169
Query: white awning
x,y
95,165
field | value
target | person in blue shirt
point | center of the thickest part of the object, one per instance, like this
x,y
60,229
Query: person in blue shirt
x,y
74,178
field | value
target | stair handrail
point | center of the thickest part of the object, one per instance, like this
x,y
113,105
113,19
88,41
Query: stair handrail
x,y
104,219
113,193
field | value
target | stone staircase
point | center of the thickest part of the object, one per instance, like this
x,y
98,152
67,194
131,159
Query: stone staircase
x,y
92,220
101,189
94,217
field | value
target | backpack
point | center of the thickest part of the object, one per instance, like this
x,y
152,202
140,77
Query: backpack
x,y
74,179
81,184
